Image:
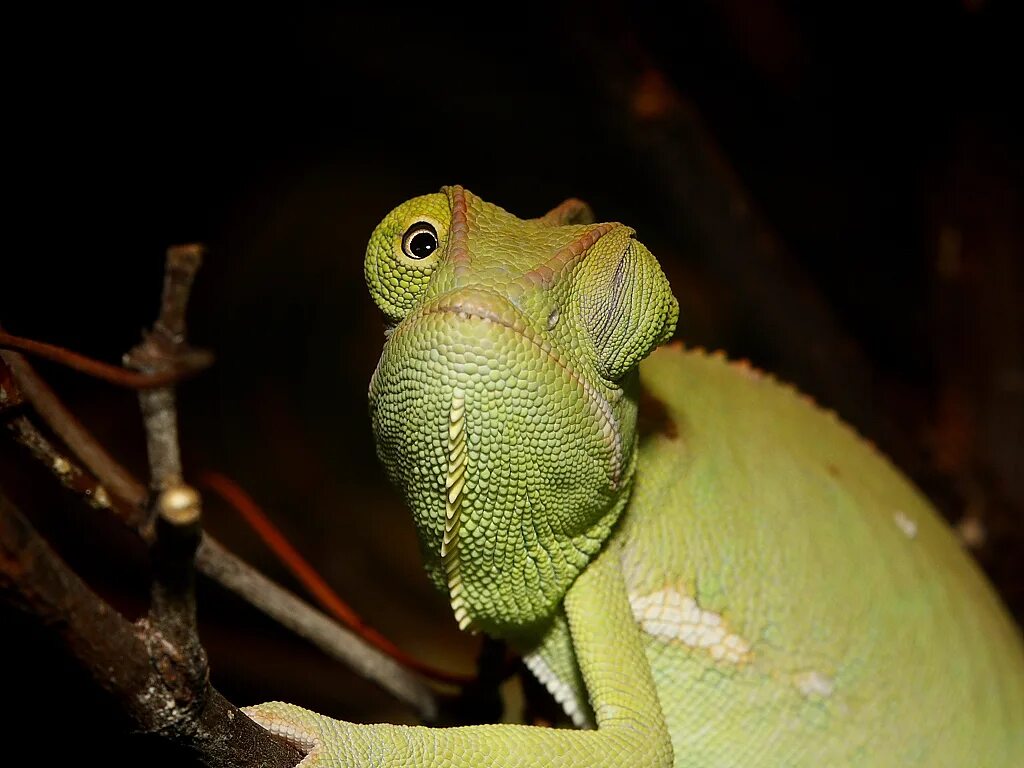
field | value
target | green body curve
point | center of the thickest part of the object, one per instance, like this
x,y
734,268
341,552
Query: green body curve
x,y
871,638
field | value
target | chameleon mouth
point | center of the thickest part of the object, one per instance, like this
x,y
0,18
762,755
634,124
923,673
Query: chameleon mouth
x,y
482,305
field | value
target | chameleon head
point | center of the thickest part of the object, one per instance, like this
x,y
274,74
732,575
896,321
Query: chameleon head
x,y
504,401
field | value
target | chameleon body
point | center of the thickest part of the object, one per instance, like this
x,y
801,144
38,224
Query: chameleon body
x,y
750,584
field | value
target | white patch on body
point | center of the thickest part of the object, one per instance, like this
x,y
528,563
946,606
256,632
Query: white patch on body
x,y
905,524
814,684
674,615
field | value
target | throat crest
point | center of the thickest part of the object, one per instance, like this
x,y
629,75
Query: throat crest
x,y
455,484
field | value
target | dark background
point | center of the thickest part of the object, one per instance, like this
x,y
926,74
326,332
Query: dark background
x,y
835,195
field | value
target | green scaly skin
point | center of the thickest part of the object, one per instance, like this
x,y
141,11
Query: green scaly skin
x,y
752,585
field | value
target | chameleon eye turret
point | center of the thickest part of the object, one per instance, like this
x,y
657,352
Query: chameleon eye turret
x,y
403,252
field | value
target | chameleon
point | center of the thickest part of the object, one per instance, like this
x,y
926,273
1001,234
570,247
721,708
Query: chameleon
x,y
748,583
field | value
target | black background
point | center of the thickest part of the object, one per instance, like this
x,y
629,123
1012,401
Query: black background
x,y
877,143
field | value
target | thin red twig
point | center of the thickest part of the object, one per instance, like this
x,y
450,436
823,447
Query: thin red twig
x,y
112,374
257,519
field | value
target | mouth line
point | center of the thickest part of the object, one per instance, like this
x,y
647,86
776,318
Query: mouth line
x,y
478,313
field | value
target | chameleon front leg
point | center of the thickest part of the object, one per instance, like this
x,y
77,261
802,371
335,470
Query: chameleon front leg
x,y
630,726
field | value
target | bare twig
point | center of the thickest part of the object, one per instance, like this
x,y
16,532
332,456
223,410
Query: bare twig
x,y
114,652
315,585
68,472
228,570
159,352
118,480
128,500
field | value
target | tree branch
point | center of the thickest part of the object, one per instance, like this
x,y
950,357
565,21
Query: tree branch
x,y
116,653
127,499
228,570
157,669
67,471
161,351
118,480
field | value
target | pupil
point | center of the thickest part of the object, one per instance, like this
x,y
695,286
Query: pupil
x,y
422,244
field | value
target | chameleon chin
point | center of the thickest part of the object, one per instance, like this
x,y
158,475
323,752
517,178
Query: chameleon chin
x,y
754,585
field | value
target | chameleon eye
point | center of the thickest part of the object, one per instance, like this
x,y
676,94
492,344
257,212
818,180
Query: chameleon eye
x,y
405,250
419,241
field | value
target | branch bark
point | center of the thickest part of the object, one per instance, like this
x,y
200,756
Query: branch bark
x,y
116,653
176,507
118,480
161,351
126,495
155,669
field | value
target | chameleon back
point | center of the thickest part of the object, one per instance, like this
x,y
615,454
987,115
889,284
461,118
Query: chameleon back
x,y
801,602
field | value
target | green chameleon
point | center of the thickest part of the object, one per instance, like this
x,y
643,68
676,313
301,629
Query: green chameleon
x,y
752,584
